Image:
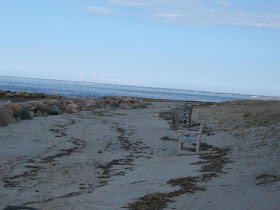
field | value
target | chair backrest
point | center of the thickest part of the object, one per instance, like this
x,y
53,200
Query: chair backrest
x,y
188,108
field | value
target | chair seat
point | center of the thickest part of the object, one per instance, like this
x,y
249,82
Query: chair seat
x,y
181,116
189,139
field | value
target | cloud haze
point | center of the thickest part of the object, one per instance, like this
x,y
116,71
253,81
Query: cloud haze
x,y
191,12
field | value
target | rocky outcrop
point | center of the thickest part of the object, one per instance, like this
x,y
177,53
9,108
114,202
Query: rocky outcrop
x,y
21,94
41,108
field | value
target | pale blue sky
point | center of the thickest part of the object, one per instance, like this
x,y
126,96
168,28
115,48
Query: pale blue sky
x,y
211,45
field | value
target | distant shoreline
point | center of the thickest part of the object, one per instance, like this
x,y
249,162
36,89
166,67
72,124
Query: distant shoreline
x,y
119,85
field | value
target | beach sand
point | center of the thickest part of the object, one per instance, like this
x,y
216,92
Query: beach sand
x,y
127,158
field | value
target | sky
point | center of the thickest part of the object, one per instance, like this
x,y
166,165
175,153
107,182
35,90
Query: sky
x,y
210,45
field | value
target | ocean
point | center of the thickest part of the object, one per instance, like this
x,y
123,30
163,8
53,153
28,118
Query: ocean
x,y
93,90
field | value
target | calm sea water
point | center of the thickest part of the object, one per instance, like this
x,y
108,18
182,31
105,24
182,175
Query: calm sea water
x,y
75,89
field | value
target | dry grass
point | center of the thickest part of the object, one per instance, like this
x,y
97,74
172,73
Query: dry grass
x,y
239,117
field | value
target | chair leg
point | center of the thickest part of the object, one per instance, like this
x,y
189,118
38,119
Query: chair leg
x,y
180,147
198,144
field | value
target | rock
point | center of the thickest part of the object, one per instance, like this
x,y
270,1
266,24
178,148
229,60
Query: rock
x,y
90,103
53,96
62,104
125,101
23,115
114,105
35,103
26,105
45,114
15,107
38,114
8,95
41,107
52,103
143,106
38,95
49,109
74,107
19,94
54,110
9,111
26,95
32,114
68,110
2,93
99,151
6,118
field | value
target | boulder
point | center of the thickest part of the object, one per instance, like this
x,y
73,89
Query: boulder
x,y
8,95
19,94
26,105
114,105
73,107
68,110
38,95
35,103
26,95
2,93
9,111
126,101
45,114
6,118
90,103
52,103
15,107
38,114
32,114
54,110
53,96
49,109
23,115
142,106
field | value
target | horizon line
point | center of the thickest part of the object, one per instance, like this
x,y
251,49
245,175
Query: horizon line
x,y
99,83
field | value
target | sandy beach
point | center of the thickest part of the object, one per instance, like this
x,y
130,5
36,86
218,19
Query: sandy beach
x,y
117,157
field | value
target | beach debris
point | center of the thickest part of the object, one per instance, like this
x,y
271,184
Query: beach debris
x,y
267,179
167,138
159,200
211,167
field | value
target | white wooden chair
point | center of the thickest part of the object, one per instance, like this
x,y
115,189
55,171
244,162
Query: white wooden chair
x,y
184,116
190,136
